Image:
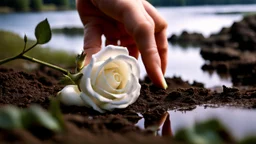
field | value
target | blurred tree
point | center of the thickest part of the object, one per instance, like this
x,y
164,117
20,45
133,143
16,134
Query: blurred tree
x,y
72,4
4,3
19,5
36,5
198,2
47,1
61,3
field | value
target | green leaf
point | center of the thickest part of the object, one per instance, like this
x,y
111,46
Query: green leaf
x,y
76,77
36,115
67,80
43,32
56,111
10,117
209,132
71,79
248,140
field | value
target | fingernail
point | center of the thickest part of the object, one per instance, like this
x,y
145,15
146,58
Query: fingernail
x,y
164,84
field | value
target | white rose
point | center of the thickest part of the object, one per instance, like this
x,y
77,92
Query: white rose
x,y
110,81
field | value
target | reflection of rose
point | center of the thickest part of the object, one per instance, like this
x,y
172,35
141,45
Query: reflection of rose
x,y
110,81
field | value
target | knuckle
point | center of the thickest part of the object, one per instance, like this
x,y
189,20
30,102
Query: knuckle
x,y
161,26
163,52
164,25
150,52
143,27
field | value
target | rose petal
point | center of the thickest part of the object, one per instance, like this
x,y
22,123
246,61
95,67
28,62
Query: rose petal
x,y
126,65
134,89
113,78
130,97
85,83
98,76
70,95
115,94
88,100
119,94
132,63
125,70
97,68
110,51
106,81
95,71
110,95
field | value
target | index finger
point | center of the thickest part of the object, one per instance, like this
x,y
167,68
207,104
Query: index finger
x,y
141,27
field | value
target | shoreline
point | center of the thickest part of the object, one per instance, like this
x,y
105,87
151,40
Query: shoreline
x,y
47,8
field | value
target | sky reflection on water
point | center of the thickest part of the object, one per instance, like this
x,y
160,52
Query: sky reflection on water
x,y
240,122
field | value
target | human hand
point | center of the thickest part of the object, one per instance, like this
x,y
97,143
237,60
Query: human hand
x,y
134,24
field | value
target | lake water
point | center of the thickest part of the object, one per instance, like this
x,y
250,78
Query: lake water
x,y
185,63
239,122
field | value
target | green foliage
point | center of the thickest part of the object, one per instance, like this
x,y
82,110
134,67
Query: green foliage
x,y
198,2
72,4
71,79
61,3
12,117
209,132
71,31
36,115
36,5
19,5
4,3
56,111
43,32
248,140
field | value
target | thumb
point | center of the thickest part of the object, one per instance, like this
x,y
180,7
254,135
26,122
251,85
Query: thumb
x,y
92,39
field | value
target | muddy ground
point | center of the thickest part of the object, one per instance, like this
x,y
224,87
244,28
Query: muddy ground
x,y
83,124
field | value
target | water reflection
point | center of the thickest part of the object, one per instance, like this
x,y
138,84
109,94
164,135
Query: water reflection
x,y
239,122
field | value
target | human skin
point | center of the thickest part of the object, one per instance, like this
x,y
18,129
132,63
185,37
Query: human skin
x,y
134,24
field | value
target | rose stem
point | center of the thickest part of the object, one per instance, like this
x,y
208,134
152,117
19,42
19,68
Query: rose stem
x,y
23,56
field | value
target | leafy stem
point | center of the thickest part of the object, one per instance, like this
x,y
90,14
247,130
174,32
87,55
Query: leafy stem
x,y
25,57
17,56
26,50
43,35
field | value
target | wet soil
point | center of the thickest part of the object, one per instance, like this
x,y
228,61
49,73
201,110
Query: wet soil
x,y
86,125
